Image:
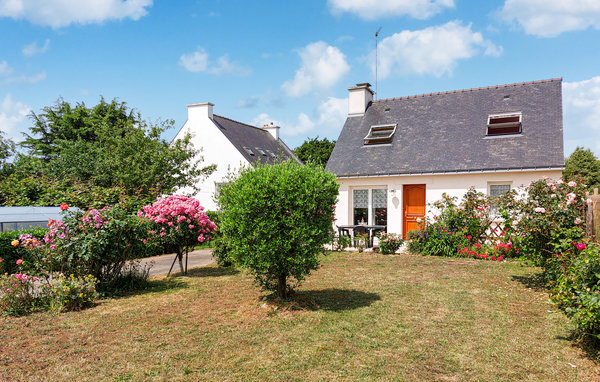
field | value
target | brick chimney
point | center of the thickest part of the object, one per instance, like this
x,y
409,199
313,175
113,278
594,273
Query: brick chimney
x,y
200,110
359,98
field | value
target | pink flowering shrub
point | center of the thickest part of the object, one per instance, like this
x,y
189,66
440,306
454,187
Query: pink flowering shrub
x,y
178,221
389,243
95,242
17,294
26,245
547,220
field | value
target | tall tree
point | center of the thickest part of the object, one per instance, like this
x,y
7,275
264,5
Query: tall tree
x,y
315,150
583,162
99,154
7,149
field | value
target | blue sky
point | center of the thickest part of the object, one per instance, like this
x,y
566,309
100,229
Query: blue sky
x,y
291,62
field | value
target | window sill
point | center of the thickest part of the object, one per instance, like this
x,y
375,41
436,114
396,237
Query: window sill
x,y
519,135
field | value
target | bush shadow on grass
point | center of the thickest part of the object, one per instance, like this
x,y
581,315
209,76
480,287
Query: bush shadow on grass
x,y
211,272
148,286
534,281
589,344
333,299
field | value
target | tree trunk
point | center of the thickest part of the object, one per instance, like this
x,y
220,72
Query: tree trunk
x,y
281,286
180,257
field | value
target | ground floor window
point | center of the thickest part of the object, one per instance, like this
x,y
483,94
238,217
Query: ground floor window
x,y
369,206
497,190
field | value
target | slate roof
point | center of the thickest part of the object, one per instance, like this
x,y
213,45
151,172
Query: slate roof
x,y
242,135
446,132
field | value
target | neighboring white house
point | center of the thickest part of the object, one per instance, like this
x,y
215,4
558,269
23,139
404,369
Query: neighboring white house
x,y
394,156
228,144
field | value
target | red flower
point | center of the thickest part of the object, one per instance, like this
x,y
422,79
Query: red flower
x,y
19,262
64,206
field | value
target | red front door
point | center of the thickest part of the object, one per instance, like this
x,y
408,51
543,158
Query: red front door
x,y
413,207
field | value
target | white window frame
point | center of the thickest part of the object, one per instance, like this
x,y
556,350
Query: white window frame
x,y
367,138
370,217
496,125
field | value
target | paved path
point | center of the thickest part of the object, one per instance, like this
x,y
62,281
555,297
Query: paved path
x,y
162,263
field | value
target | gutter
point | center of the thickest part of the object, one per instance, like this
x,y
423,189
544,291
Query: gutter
x,y
455,172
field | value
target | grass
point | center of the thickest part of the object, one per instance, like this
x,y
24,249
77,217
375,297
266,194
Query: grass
x,y
359,317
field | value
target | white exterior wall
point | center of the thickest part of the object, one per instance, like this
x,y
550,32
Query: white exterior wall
x,y
435,186
216,149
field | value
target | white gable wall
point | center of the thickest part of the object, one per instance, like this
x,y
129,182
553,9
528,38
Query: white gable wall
x,y
216,149
435,186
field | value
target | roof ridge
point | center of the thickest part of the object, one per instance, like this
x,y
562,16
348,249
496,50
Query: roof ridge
x,y
470,90
241,123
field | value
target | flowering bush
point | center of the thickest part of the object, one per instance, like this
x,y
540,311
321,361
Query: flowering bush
x,y
26,245
17,294
576,287
96,242
389,243
546,220
70,293
179,221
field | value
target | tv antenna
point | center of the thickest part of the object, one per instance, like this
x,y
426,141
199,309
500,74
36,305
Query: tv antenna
x,y
376,37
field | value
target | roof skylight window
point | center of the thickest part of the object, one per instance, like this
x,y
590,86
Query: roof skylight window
x,y
249,150
380,134
271,153
502,124
261,151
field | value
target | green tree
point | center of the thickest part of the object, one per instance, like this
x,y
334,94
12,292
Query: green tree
x,y
276,220
7,150
583,162
316,150
105,154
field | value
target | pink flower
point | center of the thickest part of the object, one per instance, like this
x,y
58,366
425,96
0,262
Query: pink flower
x,y
19,262
577,221
541,210
580,246
572,183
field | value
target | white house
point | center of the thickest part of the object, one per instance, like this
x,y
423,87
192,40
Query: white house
x,y
394,156
228,144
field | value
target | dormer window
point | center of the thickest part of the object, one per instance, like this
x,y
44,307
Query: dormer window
x,y
380,134
502,124
248,150
261,151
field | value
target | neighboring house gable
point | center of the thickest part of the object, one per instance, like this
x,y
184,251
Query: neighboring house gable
x,y
394,151
230,145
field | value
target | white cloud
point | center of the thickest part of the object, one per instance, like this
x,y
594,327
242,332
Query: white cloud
x,y
330,117
61,13
302,125
23,79
322,67
581,101
549,18
248,103
33,49
332,113
434,50
374,9
198,62
5,69
13,115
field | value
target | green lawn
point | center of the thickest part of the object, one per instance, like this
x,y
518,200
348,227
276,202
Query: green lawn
x,y
359,317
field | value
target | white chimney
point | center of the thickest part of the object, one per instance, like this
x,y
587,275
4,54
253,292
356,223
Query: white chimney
x,y
200,110
359,98
272,129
